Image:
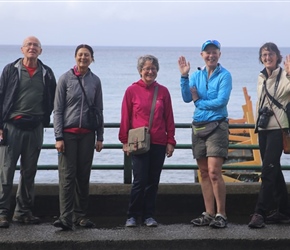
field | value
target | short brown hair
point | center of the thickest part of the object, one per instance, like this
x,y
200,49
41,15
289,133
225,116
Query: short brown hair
x,y
271,47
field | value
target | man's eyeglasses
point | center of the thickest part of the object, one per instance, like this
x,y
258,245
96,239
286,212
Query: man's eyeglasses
x,y
36,45
268,54
148,69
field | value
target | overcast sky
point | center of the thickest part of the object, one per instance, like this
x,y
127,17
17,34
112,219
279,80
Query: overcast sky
x,y
146,23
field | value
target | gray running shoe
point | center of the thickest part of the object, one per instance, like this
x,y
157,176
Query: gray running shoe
x,y
150,222
203,220
131,222
219,222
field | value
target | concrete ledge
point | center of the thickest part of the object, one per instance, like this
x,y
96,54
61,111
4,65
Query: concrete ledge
x,y
172,199
177,204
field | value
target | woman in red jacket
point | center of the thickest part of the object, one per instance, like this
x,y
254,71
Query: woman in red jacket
x,y
136,107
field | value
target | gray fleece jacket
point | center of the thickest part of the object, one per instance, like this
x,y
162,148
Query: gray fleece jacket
x,y
70,106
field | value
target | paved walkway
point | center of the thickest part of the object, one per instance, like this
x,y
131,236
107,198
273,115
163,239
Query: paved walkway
x,y
174,236
176,205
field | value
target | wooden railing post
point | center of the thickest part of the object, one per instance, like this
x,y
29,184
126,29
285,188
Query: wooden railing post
x,y
127,169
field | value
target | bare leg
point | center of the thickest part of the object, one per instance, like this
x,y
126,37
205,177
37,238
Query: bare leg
x,y
217,182
206,186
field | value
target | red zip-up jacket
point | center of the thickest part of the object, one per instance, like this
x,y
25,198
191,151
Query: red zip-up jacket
x,y
136,107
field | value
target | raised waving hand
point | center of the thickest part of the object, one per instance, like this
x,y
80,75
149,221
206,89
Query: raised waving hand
x,y
184,66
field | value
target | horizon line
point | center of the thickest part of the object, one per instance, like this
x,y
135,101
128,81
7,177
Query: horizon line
x,y
146,46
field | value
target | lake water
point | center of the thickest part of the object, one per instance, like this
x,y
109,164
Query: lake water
x,y
116,67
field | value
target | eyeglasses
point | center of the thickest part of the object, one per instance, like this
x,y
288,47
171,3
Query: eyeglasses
x,y
211,42
148,69
36,45
268,54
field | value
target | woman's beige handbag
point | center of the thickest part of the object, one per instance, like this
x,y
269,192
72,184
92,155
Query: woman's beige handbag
x,y
139,138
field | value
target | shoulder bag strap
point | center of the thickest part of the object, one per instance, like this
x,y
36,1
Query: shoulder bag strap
x,y
274,114
153,107
86,98
261,103
278,104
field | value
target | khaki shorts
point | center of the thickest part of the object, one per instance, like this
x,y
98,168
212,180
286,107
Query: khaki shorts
x,y
214,145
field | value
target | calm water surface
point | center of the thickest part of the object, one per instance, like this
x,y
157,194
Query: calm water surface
x,y
116,66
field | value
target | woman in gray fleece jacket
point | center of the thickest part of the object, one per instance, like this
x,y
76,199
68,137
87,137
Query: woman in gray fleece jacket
x,y
77,90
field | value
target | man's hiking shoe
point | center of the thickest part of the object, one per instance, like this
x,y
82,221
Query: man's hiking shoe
x,y
85,222
4,223
26,219
60,224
